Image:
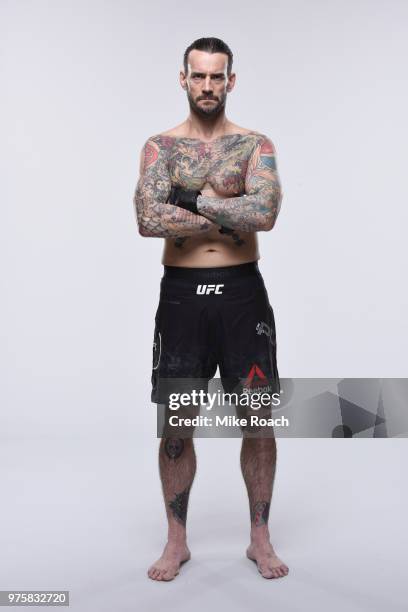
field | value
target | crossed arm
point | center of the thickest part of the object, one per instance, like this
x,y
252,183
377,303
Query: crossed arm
x,y
258,209
156,218
253,212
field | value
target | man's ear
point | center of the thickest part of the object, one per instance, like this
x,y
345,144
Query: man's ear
x,y
183,79
231,81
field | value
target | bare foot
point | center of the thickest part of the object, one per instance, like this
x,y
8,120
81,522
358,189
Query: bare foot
x,y
168,566
269,564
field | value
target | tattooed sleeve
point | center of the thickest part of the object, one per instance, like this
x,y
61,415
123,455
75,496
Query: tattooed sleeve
x,y
258,209
156,218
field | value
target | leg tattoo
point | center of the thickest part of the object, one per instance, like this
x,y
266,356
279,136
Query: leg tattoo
x,y
258,462
174,447
177,463
179,506
260,513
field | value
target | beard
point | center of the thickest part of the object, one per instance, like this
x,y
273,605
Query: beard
x,y
207,111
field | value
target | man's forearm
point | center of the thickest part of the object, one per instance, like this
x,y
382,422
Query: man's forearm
x,y
248,213
161,220
155,216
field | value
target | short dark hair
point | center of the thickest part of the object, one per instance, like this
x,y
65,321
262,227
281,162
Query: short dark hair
x,y
210,45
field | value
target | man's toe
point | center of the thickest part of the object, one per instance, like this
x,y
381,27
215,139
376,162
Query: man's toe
x,y
168,575
266,571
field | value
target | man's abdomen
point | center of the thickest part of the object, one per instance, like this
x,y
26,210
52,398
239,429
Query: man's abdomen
x,y
214,249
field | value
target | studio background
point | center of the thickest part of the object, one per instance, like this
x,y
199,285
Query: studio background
x,y
84,85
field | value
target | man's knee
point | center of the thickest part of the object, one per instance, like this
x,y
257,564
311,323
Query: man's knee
x,y
174,448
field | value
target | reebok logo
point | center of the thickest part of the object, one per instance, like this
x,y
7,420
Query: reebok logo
x,y
256,377
256,382
207,289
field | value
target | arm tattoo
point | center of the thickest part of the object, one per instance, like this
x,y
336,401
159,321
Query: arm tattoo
x,y
174,447
155,217
259,208
179,506
260,513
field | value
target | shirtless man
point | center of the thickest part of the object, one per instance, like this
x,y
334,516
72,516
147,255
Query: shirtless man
x,y
207,186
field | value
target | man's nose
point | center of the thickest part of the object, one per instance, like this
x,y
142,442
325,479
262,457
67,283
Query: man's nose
x,y
207,87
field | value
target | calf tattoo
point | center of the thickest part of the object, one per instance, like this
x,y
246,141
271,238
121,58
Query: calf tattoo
x,y
174,447
179,506
260,513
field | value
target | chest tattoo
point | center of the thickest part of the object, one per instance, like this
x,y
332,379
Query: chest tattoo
x,y
222,164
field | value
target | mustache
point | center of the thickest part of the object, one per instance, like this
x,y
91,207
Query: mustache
x,y
206,98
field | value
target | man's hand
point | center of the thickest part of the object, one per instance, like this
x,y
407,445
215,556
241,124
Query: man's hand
x,y
184,198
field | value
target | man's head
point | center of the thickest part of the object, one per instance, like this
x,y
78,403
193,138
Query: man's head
x,y
207,76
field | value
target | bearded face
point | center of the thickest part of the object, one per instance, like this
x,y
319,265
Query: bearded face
x,y
207,82
207,105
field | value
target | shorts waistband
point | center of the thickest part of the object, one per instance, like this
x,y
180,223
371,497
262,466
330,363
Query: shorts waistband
x,y
218,273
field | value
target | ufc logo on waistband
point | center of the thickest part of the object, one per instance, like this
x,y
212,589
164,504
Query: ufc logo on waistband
x,y
206,289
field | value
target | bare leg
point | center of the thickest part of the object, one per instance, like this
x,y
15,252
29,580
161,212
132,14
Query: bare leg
x,y
258,464
177,463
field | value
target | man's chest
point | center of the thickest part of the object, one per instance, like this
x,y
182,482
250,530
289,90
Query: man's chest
x,y
222,164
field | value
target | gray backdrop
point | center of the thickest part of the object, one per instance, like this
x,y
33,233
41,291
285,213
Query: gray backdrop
x,y
85,83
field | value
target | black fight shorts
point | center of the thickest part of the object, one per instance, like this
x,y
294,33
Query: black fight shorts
x,y
209,317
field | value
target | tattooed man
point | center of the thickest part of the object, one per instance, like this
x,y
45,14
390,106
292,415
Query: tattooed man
x,y
207,187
